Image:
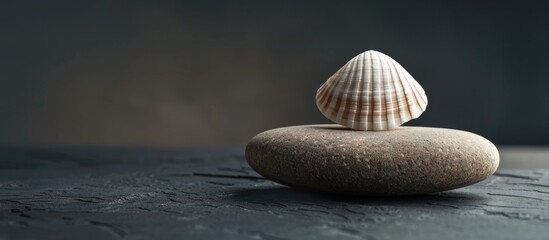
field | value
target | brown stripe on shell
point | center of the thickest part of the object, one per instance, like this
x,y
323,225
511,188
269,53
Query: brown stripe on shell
x,y
349,94
418,92
381,95
327,89
404,108
326,92
358,109
389,108
397,121
340,94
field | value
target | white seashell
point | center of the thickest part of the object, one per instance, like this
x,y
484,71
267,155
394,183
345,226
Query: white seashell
x,y
371,92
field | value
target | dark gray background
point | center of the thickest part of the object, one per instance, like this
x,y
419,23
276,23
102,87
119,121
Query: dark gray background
x,y
202,73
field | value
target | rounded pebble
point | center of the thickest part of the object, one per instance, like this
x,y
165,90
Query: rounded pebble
x,y
403,161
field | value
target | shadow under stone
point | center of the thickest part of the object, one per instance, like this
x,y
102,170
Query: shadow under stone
x,y
291,195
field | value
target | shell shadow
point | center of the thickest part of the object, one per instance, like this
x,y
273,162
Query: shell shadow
x,y
287,195
332,127
335,127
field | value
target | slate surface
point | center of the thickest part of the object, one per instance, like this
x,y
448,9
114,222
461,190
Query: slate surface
x,y
101,193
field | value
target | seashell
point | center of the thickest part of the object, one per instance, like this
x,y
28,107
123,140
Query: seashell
x,y
371,92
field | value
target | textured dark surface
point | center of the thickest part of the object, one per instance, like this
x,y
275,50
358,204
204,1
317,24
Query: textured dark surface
x,y
402,161
212,194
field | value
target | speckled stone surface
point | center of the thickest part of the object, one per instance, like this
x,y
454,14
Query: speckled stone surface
x,y
404,161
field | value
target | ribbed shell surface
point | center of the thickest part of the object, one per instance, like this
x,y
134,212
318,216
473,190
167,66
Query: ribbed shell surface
x,y
371,92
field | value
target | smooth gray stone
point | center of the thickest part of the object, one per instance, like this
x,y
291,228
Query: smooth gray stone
x,y
404,161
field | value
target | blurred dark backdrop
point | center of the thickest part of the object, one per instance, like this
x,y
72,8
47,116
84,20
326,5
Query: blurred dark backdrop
x,y
205,73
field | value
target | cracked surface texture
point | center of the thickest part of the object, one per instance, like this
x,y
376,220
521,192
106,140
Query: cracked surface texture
x,y
106,193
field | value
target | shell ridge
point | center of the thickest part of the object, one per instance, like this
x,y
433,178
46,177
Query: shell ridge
x,y
344,93
412,83
325,89
325,94
371,84
412,99
419,101
354,120
338,98
330,85
388,95
349,93
405,105
397,91
420,92
356,116
417,109
358,108
417,90
320,96
328,98
416,93
339,87
379,124
332,96
322,92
